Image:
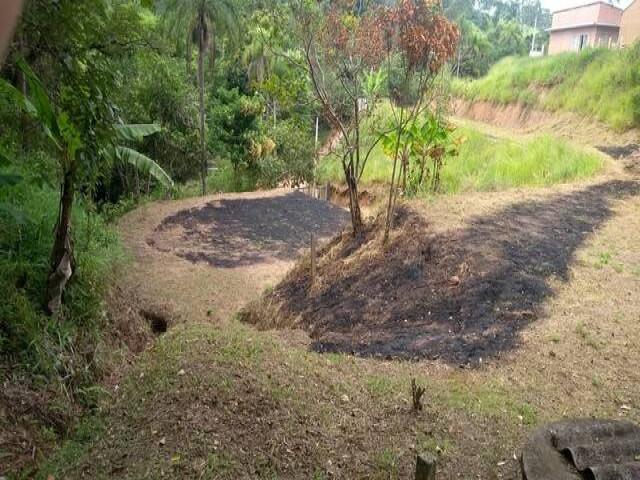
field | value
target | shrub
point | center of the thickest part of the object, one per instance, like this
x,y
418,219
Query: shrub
x,y
60,348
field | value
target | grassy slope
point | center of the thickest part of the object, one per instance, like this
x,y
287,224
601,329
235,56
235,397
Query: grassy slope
x,y
490,164
249,405
50,366
604,84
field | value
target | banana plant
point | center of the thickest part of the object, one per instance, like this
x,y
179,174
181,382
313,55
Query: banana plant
x,y
431,140
66,139
135,133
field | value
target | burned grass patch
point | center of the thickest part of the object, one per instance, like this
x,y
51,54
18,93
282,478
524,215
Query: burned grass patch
x,y
237,232
460,296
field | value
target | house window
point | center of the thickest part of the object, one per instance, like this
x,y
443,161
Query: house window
x,y
582,41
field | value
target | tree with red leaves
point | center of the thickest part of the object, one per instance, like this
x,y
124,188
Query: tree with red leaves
x,y
419,41
354,59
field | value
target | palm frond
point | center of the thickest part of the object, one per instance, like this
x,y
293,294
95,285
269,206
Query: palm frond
x,y
136,132
144,164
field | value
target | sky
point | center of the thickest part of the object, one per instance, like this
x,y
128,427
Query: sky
x,y
559,4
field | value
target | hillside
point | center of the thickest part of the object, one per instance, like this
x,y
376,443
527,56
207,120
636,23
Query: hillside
x,y
602,84
485,161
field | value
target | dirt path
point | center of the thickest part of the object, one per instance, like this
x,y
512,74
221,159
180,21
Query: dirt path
x,y
204,258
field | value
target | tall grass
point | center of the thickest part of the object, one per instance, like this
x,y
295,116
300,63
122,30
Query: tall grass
x,y
487,164
600,83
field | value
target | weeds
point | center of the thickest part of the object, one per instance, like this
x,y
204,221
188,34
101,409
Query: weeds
x,y
583,332
528,414
555,338
63,346
431,444
387,465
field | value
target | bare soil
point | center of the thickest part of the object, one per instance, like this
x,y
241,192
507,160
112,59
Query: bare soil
x,y
243,231
524,119
207,257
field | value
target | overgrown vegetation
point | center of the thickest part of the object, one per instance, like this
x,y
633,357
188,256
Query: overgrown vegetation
x,y
60,351
482,163
597,83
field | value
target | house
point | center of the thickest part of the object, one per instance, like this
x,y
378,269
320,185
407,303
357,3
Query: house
x,y
596,24
630,24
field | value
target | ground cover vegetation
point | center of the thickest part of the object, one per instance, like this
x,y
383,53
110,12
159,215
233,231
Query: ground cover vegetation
x,y
467,159
596,83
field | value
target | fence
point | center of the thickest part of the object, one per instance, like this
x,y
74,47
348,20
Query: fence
x,y
321,192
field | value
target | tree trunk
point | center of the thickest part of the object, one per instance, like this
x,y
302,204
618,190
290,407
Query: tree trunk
x,y
354,204
388,221
405,167
354,201
62,261
203,156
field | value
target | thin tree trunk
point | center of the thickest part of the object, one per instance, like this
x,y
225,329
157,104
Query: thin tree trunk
x,y
390,204
62,261
354,201
405,167
203,156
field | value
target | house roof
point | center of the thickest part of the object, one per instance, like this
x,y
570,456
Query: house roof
x,y
582,25
588,5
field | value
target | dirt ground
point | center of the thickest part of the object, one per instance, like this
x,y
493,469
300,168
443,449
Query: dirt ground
x,y
216,254
544,308
461,296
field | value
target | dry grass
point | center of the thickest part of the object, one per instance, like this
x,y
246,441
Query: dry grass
x,y
222,400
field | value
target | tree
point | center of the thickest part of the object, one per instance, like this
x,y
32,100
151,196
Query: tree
x,y
341,50
419,41
65,136
200,21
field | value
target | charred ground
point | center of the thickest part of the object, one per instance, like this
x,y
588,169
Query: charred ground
x,y
460,296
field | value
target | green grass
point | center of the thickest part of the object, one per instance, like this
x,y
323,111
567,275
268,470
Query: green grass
x,y
490,164
486,164
599,83
222,180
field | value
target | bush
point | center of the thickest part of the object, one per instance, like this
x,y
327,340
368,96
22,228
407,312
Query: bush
x,y
61,348
295,152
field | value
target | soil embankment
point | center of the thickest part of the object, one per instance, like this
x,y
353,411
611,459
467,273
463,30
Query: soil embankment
x,y
524,119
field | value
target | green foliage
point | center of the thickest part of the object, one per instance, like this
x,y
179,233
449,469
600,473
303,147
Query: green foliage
x,y
234,123
604,84
144,164
62,347
161,93
295,151
486,164
493,29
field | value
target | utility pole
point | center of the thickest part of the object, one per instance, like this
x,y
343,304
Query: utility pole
x,y
315,159
535,30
